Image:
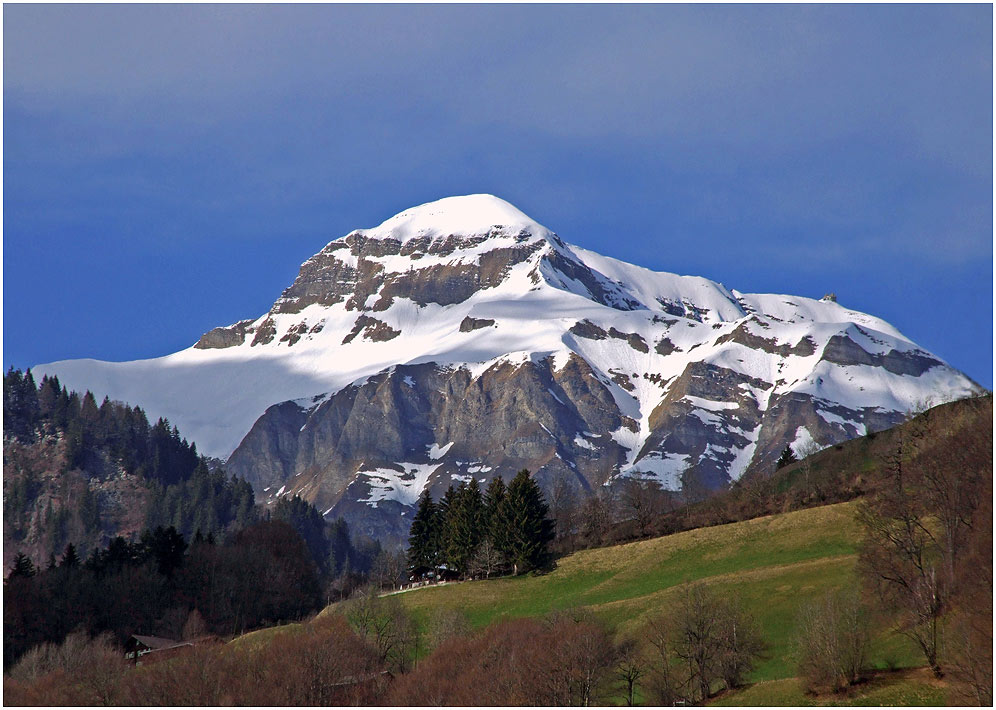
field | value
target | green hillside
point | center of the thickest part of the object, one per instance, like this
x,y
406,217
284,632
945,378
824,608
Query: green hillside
x,y
773,564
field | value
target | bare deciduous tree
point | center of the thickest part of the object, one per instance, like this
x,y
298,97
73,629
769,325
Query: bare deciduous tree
x,y
388,568
564,508
597,515
94,665
704,640
667,680
487,560
694,488
900,555
629,668
805,451
579,654
741,643
643,501
386,626
194,626
833,642
445,624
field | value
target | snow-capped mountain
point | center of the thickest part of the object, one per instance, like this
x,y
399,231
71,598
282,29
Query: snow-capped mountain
x,y
461,338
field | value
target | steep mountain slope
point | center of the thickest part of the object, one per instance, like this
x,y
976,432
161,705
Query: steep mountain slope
x,y
461,338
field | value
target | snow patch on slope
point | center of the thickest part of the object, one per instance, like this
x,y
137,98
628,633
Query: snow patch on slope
x,y
404,486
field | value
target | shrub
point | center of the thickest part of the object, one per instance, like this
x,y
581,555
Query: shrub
x,y
833,642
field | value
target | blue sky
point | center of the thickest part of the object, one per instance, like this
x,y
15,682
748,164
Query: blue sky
x,y
168,168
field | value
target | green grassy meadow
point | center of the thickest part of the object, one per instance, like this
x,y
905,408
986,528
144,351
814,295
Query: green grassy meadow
x,y
773,565
908,688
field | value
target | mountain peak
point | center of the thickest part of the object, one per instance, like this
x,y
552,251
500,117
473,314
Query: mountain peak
x,y
461,214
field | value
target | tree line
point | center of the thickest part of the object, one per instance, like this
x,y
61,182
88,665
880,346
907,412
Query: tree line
x,y
155,452
47,493
470,534
364,653
61,447
280,568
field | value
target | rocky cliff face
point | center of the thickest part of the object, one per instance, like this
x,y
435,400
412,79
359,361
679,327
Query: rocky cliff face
x,y
461,338
369,447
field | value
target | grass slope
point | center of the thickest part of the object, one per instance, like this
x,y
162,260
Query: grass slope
x,y
907,688
773,565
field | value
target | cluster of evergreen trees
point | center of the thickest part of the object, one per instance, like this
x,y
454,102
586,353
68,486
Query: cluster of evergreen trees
x,y
470,534
208,501
259,575
787,458
156,452
100,441
332,548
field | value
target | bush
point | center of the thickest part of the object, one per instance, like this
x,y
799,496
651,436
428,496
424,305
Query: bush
x,y
833,642
94,666
561,661
703,641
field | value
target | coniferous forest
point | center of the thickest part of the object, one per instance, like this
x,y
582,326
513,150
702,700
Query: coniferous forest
x,y
470,534
80,472
133,532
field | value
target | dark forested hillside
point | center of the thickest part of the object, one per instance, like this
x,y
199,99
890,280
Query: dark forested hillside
x,y
115,525
159,585
82,473
75,472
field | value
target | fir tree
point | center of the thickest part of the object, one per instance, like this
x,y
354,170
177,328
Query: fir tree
x,y
23,566
492,505
443,508
48,396
310,525
423,538
787,457
21,411
166,547
465,523
89,512
529,531
70,558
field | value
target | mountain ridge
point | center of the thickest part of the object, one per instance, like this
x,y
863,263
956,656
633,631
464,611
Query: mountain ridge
x,y
469,295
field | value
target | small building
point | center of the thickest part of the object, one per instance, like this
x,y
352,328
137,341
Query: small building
x,y
137,646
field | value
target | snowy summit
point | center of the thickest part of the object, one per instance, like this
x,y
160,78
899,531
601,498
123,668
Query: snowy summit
x,y
461,339
460,215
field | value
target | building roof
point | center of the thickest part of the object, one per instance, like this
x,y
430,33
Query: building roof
x,y
157,643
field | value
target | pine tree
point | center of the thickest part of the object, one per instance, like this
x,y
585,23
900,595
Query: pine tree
x,y
529,528
423,538
787,457
89,511
95,562
443,508
465,523
309,523
21,411
48,396
70,558
492,504
23,566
